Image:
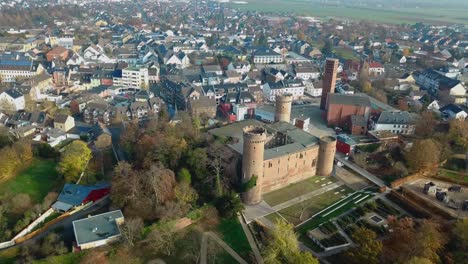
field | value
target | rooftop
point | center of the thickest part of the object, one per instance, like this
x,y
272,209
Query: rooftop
x,y
298,138
98,227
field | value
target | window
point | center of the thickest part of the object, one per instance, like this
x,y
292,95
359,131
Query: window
x,y
314,162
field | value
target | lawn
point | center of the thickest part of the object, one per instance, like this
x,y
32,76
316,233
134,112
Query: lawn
x,y
232,233
296,189
334,211
313,205
69,258
36,181
454,175
343,53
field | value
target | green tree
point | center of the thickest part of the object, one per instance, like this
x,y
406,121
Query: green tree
x,y
228,205
197,161
368,247
184,176
423,154
419,260
74,159
327,48
283,247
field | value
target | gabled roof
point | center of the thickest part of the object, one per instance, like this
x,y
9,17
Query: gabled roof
x,y
395,117
452,108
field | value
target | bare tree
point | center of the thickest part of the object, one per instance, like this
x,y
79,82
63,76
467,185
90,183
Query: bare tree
x,y
131,230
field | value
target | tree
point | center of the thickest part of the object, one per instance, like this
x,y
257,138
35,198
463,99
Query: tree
x,y
74,159
367,87
184,176
162,239
425,125
20,203
197,161
368,247
7,106
131,230
327,48
419,260
283,247
228,205
423,154
458,133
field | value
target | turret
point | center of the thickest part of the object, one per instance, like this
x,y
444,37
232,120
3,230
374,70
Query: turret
x,y
252,163
327,149
283,108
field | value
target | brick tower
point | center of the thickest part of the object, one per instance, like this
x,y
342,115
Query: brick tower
x,y
327,149
329,80
283,108
252,162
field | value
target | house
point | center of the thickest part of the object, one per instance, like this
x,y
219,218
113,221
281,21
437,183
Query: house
x,y
133,77
75,195
266,55
345,144
314,88
452,111
102,137
434,106
202,106
64,122
12,100
434,82
58,52
98,230
241,67
179,59
397,122
294,87
306,71
376,69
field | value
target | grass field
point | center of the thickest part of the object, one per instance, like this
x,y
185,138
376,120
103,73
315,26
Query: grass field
x,y
313,205
232,233
36,181
297,189
384,15
454,175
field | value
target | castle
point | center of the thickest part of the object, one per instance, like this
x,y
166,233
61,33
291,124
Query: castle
x,y
276,154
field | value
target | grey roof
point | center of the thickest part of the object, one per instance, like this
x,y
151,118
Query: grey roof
x,y
394,117
60,118
346,99
299,139
357,120
97,228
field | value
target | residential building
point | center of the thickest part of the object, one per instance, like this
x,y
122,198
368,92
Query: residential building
x,y
64,122
452,111
98,230
15,65
12,100
266,55
133,77
397,122
294,87
376,69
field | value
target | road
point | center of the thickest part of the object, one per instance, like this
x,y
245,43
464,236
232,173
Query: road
x,y
374,179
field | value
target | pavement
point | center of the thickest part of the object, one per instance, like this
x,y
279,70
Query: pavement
x,y
374,179
252,212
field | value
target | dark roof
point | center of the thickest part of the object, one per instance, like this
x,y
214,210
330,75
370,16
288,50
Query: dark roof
x,y
358,120
395,117
75,194
452,108
14,93
345,99
60,118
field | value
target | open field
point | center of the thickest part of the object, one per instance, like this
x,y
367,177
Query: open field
x,y
387,15
297,189
313,205
36,181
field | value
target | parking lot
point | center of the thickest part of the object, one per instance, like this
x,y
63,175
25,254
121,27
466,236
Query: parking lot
x,y
455,198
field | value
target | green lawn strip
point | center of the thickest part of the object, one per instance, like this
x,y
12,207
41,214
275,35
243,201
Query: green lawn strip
x,y
309,243
232,233
314,204
454,175
328,214
36,181
274,217
296,189
70,258
8,256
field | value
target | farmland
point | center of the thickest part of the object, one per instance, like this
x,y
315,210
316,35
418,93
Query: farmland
x,y
383,15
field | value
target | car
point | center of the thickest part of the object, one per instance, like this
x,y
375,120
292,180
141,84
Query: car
x,y
338,130
455,188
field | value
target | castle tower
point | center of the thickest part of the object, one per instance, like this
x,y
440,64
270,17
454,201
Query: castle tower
x,y
252,162
329,80
283,108
327,149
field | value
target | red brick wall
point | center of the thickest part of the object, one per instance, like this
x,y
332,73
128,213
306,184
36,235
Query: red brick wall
x,y
358,130
339,115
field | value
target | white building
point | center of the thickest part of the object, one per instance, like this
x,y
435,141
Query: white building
x,y
133,77
397,122
12,100
376,69
265,56
294,87
313,89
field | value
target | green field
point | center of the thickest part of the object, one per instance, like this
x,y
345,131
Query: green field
x,y
384,15
313,205
36,181
232,233
296,189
